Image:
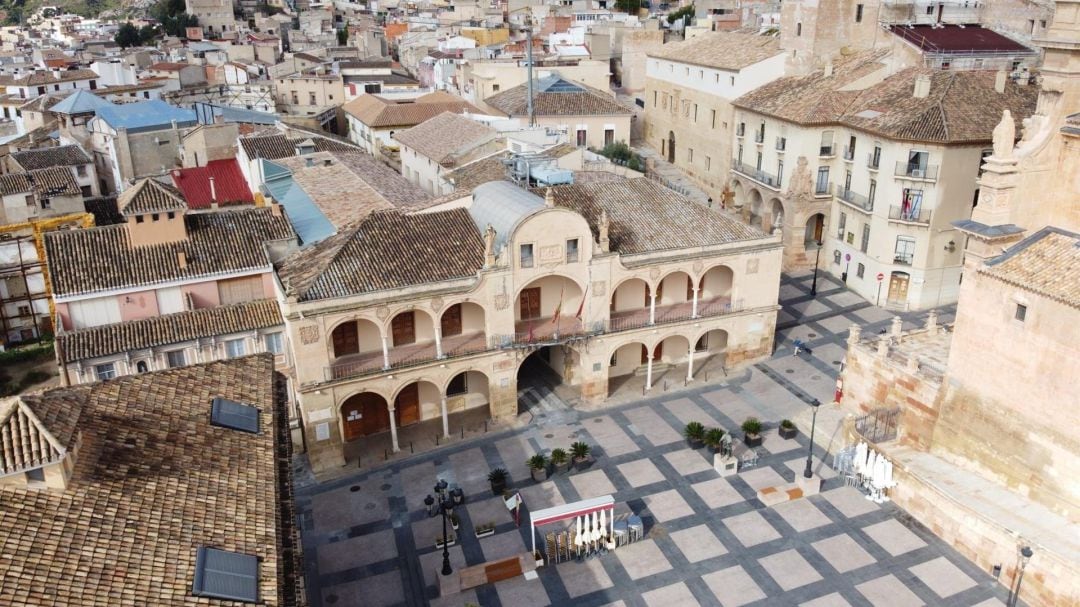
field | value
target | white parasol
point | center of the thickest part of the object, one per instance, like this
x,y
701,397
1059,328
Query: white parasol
x,y
595,528
888,474
577,536
860,458
603,523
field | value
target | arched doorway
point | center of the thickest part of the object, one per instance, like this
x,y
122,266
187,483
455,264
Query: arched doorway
x,y
776,213
898,287
671,147
629,306
417,401
541,373
355,337
815,231
541,301
717,283
462,328
411,327
626,362
756,208
363,414
712,347
467,390
672,350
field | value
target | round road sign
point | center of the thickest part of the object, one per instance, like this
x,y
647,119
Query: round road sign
x,y
880,276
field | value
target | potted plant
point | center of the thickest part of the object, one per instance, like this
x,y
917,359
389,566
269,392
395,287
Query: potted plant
x,y
560,459
752,432
498,479
485,529
454,521
538,465
695,434
713,438
539,559
439,541
787,429
580,452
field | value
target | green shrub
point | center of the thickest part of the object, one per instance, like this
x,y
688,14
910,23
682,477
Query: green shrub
x,y
752,425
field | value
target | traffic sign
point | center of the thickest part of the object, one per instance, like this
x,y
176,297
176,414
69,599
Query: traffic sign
x,y
847,257
880,277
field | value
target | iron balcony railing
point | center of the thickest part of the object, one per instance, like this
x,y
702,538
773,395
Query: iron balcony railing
x,y
903,259
781,144
827,151
849,153
759,136
822,189
909,215
928,172
763,177
873,161
858,201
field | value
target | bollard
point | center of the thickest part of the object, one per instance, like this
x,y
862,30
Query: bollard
x,y
410,447
436,440
485,426
463,432
385,455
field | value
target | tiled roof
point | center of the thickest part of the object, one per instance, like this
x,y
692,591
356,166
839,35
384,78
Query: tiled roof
x,y
169,66
375,111
150,196
104,210
390,184
646,216
1045,263
340,195
477,172
230,187
721,50
584,101
35,431
152,482
273,146
42,158
85,261
386,250
168,329
442,136
962,106
56,181
42,78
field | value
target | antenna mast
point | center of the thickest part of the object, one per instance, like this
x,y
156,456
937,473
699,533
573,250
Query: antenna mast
x,y
529,60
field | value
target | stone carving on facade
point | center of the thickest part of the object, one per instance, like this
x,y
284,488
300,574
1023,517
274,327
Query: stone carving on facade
x,y
1004,136
654,273
752,266
437,303
309,334
551,256
801,184
599,288
489,246
382,312
605,227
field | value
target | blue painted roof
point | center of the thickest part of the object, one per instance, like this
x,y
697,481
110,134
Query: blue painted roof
x,y
79,102
145,115
306,217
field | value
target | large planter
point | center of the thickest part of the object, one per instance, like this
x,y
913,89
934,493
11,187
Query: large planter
x,y
539,474
497,487
563,467
485,532
439,545
788,433
583,463
695,443
752,440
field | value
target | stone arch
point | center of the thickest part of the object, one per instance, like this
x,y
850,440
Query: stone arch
x,y
673,348
467,389
363,413
630,293
397,329
814,231
462,318
717,282
412,405
358,335
673,288
755,209
776,209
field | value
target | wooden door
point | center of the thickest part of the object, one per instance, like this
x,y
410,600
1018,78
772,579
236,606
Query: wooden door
x,y
403,328
819,225
530,303
451,320
658,351
364,414
898,286
346,340
644,354
407,405
689,289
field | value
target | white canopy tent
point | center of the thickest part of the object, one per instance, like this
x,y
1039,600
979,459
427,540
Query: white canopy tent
x,y
604,505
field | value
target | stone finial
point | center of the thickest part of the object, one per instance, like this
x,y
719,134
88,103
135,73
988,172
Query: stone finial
x,y
853,334
778,222
897,328
883,347
549,198
1004,136
604,228
931,322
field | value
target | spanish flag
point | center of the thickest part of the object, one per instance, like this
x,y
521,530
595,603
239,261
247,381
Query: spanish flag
x,y
558,308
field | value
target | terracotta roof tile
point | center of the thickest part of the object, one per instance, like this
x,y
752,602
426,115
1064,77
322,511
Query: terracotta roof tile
x,y
42,78
273,146
375,111
585,101
168,329
153,481
150,196
1045,263
722,50
444,135
56,181
43,158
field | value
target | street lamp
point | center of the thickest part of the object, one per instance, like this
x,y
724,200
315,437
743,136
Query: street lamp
x,y
445,505
809,473
817,258
1025,556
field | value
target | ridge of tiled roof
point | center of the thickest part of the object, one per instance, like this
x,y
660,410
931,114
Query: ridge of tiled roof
x,y
40,78
153,481
1044,263
721,50
588,102
97,259
276,145
54,181
647,217
376,111
167,329
37,429
150,196
42,158
386,250
468,176
440,137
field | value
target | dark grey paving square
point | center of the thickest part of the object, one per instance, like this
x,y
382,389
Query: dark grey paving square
x,y
381,590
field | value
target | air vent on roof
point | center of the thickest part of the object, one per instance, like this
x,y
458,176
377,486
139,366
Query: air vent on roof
x,y
226,575
231,414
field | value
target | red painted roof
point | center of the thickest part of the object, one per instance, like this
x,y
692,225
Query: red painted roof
x,y
957,39
229,184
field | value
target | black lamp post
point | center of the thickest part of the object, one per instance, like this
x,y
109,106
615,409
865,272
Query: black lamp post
x,y
1025,556
809,473
817,258
445,505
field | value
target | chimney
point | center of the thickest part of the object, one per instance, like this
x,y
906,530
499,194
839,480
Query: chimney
x,y
275,209
828,69
309,162
922,86
213,194
181,259
999,81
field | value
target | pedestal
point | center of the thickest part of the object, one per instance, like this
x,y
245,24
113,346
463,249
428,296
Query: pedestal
x,y
810,486
726,465
448,584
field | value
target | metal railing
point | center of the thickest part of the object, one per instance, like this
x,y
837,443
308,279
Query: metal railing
x,y
858,201
740,131
899,213
763,177
822,189
849,153
904,259
781,144
759,136
827,151
916,171
873,163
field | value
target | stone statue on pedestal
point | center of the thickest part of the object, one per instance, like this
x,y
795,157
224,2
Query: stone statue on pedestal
x,y
489,246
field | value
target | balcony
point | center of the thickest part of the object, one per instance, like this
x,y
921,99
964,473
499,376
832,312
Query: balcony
x,y
849,197
873,161
849,154
909,215
827,151
759,136
922,172
822,189
781,144
767,179
740,131
903,259
368,363
671,313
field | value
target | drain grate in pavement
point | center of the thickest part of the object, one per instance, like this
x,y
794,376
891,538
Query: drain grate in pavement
x,y
549,436
385,486
354,488
836,362
789,370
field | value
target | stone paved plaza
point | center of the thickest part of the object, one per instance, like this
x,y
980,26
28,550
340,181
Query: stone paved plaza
x,y
708,540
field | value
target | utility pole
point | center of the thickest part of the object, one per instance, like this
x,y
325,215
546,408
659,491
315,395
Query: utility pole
x,y
529,60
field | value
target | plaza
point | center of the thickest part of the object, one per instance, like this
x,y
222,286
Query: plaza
x,y
708,540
